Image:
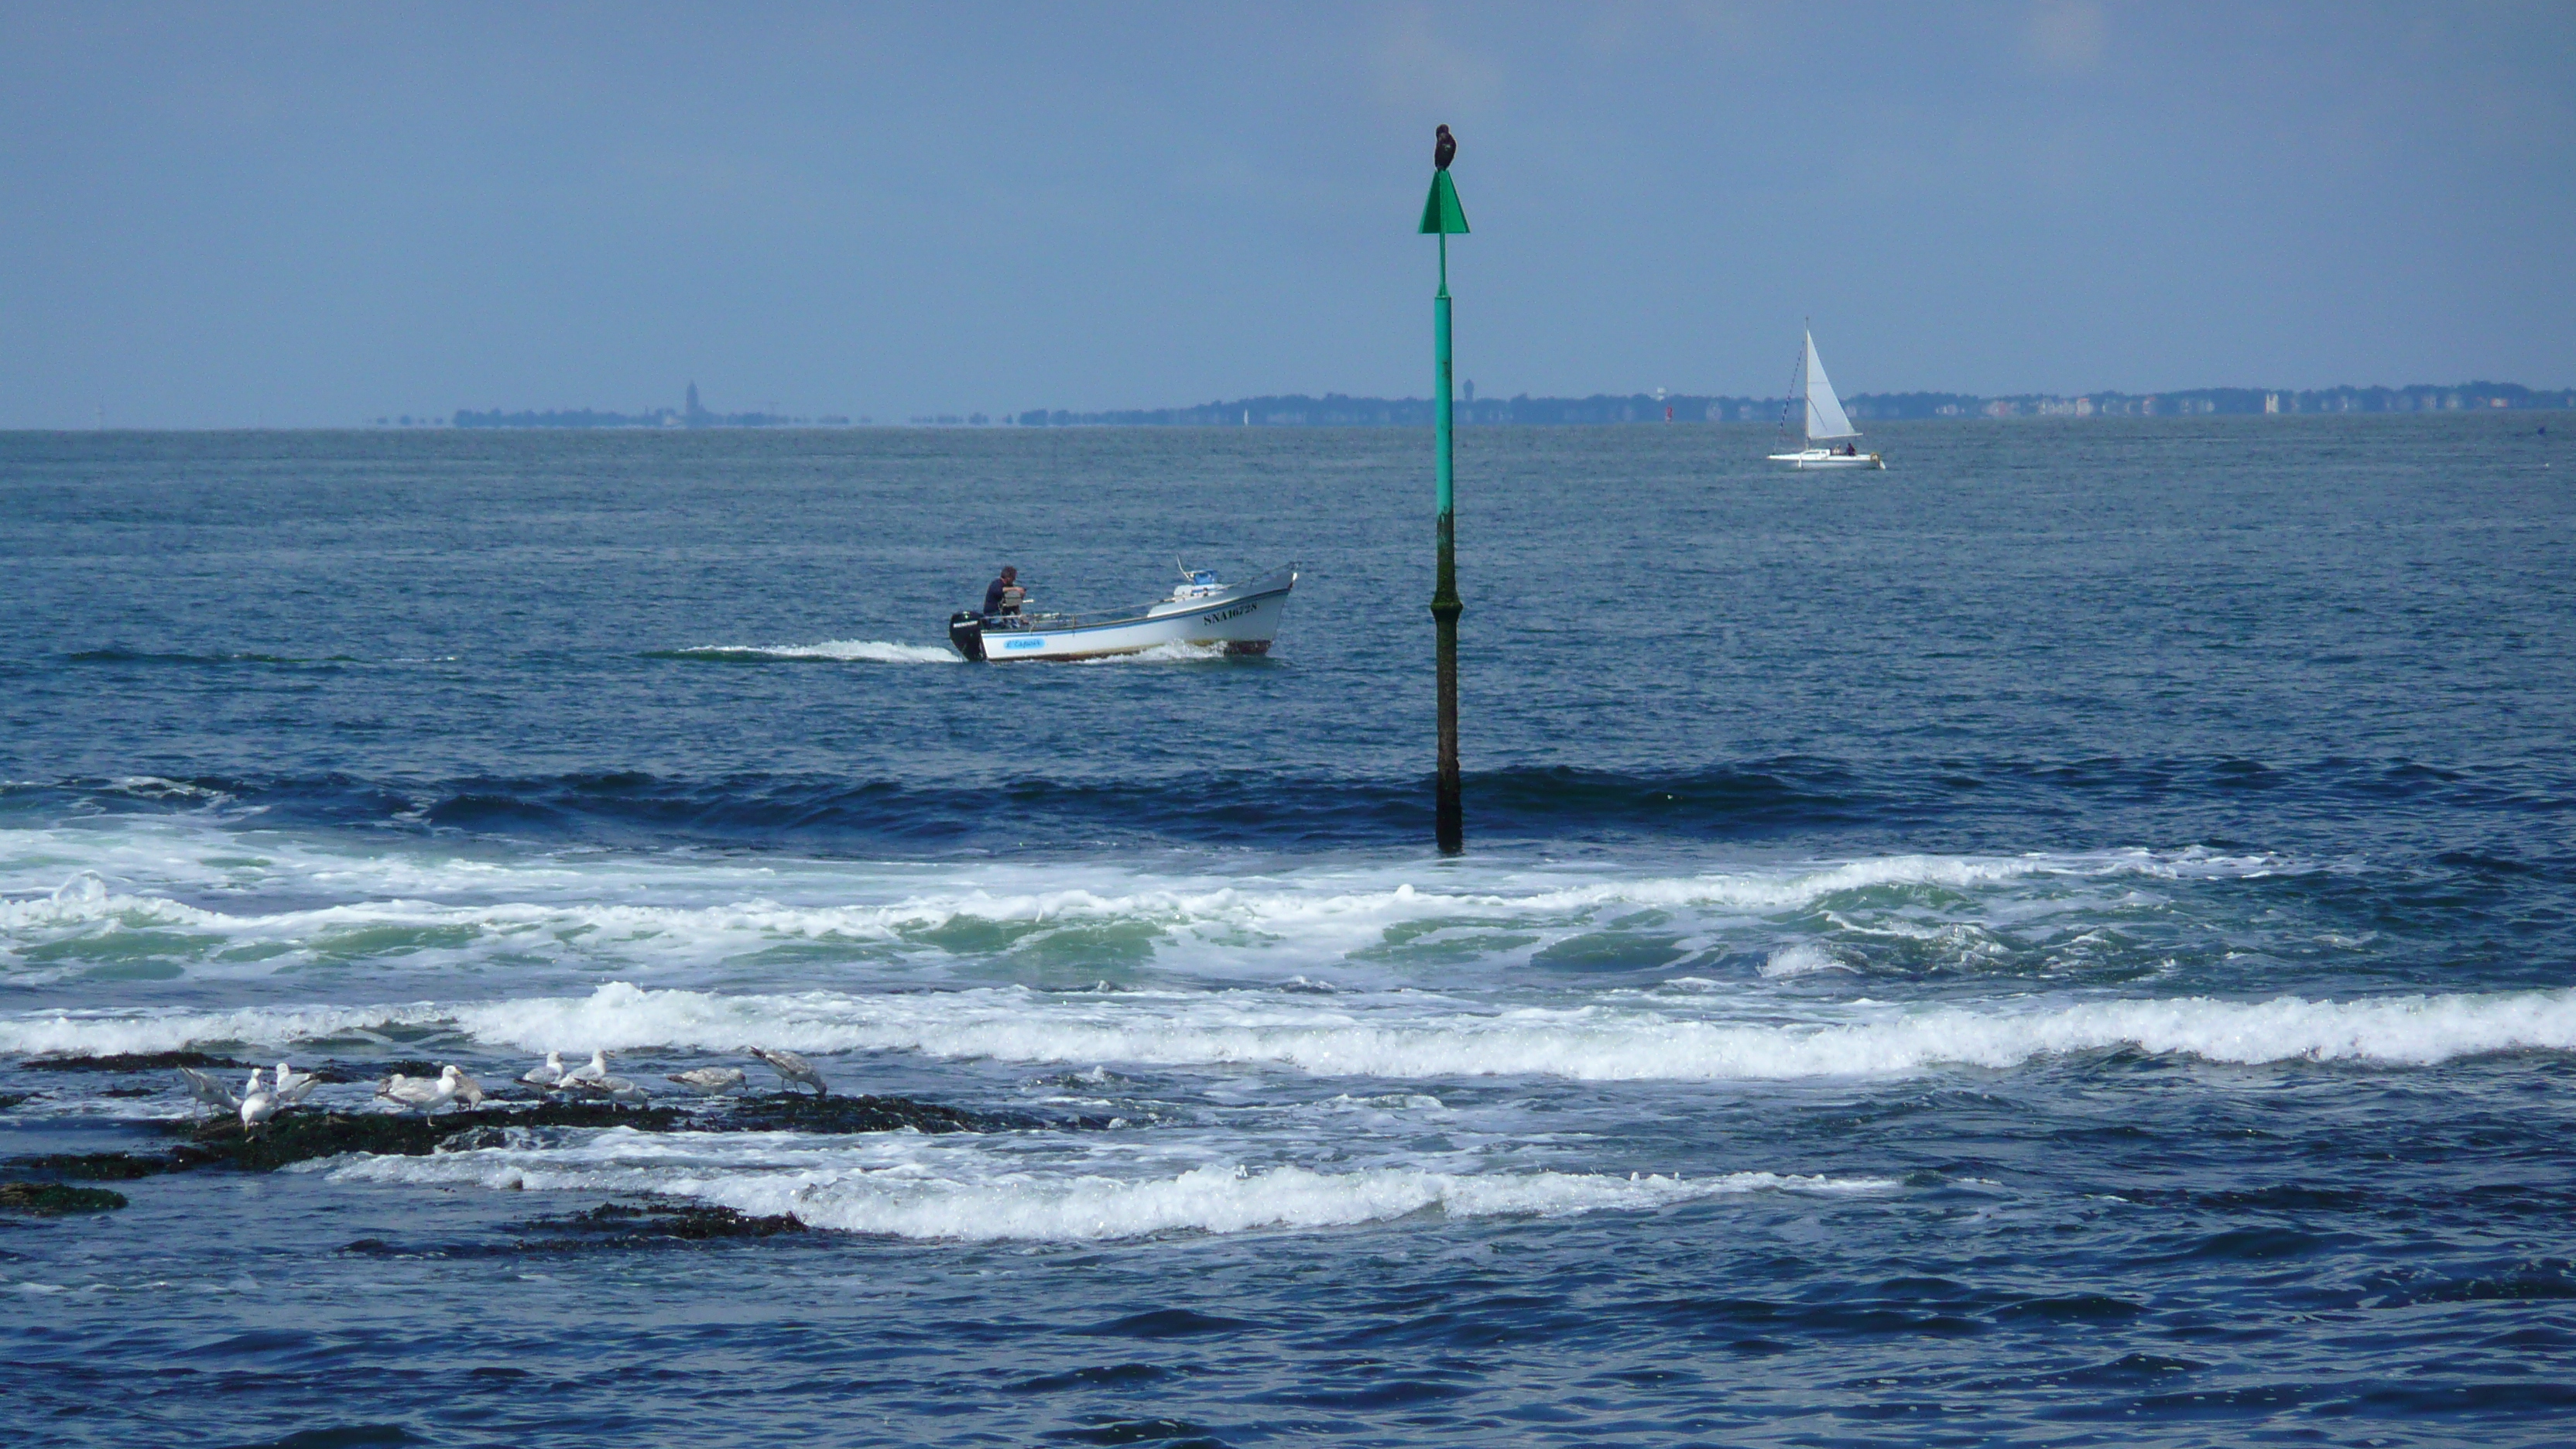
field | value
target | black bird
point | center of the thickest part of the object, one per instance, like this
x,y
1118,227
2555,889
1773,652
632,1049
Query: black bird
x,y
1444,150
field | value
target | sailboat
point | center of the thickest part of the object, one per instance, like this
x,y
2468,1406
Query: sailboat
x,y
1827,423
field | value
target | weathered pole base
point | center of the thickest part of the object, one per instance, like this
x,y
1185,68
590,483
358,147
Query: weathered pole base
x,y
1451,815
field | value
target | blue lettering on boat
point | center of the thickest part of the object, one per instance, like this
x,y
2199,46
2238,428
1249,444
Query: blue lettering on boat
x,y
1024,644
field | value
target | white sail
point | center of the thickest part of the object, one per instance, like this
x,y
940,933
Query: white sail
x,y
1825,417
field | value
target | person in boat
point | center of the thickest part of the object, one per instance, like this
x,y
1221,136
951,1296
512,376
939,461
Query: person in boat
x,y
1003,595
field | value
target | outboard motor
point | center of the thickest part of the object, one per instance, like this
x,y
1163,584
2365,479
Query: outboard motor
x,y
966,632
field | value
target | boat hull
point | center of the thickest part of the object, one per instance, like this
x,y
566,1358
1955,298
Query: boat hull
x,y
1243,622
1820,458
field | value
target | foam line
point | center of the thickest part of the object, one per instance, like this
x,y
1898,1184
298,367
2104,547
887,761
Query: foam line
x,y
1336,913
1405,1035
1222,1200
102,1033
1061,1204
1590,1043
844,651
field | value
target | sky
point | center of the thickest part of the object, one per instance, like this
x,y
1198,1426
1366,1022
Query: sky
x,y
314,215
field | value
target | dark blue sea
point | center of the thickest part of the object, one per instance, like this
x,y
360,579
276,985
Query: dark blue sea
x,y
2069,940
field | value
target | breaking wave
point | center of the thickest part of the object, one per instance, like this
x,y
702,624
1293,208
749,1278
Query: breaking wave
x,y
444,909
912,1201
1400,1035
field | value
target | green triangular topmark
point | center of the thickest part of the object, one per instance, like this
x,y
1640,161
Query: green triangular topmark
x,y
1441,213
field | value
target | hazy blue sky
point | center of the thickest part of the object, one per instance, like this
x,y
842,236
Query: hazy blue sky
x,y
317,214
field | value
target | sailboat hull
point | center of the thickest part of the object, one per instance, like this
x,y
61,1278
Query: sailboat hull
x,y
1820,458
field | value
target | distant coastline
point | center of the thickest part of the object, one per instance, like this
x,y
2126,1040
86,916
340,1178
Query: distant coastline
x,y
690,414
1338,410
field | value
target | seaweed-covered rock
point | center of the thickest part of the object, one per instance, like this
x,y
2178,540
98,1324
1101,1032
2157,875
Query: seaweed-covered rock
x,y
688,1222
52,1199
94,1166
12,1099
131,1062
301,1136
610,1226
788,1112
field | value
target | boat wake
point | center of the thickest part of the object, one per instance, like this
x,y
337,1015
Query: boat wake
x,y
1174,653
831,651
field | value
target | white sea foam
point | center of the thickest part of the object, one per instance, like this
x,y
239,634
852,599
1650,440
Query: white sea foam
x,y
1224,1200
1405,1035
846,651
627,914
1173,653
1803,958
954,1196
105,1033
154,787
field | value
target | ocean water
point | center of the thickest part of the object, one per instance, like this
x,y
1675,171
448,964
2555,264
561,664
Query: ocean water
x,y
2069,940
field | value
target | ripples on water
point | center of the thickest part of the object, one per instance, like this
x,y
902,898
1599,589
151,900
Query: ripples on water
x,y
2067,940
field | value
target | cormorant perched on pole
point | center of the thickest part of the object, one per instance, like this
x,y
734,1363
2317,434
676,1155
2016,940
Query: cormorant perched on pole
x,y
1444,150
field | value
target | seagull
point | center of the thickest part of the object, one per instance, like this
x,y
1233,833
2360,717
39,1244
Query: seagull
x,y
792,1068
546,1075
402,1091
462,1086
1444,150
256,1108
208,1092
291,1087
258,1082
614,1089
423,1092
710,1081
596,1069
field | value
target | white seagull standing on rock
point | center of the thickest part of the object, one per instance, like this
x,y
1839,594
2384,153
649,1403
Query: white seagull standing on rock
x,y
792,1069
256,1108
594,1070
545,1075
293,1087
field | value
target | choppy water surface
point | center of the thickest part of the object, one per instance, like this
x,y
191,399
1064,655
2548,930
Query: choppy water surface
x,y
2068,940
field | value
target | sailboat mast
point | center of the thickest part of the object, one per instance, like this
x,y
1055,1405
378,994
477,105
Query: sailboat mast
x,y
1797,392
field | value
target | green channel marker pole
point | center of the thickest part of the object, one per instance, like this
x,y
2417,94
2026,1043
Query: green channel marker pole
x,y
1442,216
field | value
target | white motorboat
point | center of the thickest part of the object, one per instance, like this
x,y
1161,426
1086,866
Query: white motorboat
x,y
1242,618
1827,423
